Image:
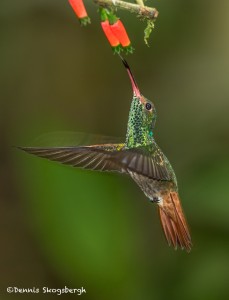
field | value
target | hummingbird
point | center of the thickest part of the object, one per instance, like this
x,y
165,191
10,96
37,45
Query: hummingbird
x,y
140,158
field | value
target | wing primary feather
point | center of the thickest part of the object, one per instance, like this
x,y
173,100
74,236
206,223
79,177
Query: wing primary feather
x,y
97,157
90,162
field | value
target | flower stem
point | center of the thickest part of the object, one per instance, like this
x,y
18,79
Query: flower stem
x,y
144,11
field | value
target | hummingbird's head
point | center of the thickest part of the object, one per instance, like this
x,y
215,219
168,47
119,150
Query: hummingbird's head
x,y
142,115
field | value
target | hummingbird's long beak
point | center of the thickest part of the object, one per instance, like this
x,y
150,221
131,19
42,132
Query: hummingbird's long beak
x,y
132,79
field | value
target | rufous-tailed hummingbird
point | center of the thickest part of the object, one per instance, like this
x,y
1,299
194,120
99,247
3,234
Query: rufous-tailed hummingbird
x,y
139,157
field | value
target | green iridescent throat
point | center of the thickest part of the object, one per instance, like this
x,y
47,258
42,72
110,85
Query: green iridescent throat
x,y
140,125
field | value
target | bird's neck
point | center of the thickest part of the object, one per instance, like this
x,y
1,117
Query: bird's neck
x,y
138,133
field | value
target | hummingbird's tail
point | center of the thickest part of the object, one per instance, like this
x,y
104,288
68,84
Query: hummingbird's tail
x,y
173,222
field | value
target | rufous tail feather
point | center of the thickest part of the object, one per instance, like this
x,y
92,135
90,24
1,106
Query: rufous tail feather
x,y
173,222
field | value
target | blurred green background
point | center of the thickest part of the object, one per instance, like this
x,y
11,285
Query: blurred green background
x,y
62,226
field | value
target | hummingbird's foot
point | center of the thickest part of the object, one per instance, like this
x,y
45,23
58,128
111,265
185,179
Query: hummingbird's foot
x,y
155,200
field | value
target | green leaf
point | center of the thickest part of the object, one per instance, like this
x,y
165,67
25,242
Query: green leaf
x,y
148,30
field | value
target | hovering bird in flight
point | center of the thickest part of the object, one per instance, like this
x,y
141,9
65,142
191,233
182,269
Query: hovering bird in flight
x,y
140,158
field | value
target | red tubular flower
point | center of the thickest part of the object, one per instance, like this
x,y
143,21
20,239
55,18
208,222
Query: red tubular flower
x,y
80,11
112,39
119,31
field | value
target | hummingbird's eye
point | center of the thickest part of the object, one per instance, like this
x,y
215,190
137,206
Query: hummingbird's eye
x,y
148,106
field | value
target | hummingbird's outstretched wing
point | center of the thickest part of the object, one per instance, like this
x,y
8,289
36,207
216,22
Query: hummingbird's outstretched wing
x,y
95,157
107,157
